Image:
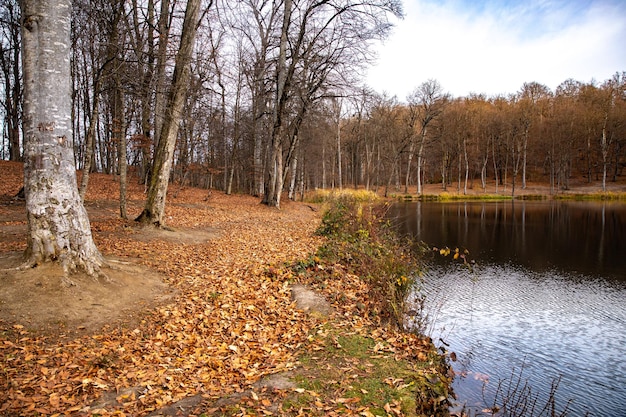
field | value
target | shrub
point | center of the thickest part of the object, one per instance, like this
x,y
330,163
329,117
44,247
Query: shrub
x,y
361,239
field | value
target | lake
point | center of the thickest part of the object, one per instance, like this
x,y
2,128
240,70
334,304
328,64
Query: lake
x,y
545,301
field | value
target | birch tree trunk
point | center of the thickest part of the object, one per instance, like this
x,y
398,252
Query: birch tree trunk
x,y
294,174
58,226
605,150
154,209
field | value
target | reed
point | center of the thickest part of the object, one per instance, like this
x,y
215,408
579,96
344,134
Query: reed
x,y
344,195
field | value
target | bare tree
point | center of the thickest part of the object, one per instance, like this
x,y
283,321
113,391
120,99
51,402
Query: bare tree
x,y
613,90
11,75
327,41
256,22
531,104
154,210
431,100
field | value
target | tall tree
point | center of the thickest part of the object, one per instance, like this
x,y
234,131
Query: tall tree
x,y
613,91
255,22
154,209
321,44
58,226
11,75
532,99
431,100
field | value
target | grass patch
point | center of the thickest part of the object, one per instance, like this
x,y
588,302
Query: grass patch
x,y
363,361
445,196
349,373
344,195
598,196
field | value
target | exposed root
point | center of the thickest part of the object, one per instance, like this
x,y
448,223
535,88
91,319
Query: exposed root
x,y
92,269
105,278
29,264
115,264
67,282
71,266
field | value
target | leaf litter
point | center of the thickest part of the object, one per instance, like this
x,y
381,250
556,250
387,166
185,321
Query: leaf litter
x,y
225,320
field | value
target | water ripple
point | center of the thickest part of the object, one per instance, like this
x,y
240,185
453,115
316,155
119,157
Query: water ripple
x,y
502,318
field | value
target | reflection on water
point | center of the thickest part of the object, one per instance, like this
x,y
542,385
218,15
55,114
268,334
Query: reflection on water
x,y
588,237
548,294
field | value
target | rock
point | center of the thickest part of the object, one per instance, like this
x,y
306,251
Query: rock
x,y
309,301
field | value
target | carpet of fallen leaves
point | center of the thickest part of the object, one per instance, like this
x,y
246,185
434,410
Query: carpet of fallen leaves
x,y
231,323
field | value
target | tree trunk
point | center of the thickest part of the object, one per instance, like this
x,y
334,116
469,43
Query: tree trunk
x,y
466,158
368,165
495,164
154,209
323,164
339,172
11,73
338,104
89,142
58,226
605,152
524,157
120,138
483,170
408,167
160,89
420,157
273,189
294,174
301,180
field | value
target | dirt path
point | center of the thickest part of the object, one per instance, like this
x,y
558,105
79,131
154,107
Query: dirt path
x,y
189,313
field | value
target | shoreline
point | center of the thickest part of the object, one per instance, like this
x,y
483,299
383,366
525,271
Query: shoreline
x,y
533,190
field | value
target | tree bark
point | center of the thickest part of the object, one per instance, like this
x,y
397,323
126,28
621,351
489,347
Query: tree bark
x,y
58,226
339,104
11,73
160,93
89,142
154,209
274,186
420,158
119,133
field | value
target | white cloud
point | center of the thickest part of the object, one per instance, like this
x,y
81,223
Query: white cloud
x,y
486,49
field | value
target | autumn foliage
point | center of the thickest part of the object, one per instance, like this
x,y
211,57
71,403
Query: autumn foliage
x,y
231,322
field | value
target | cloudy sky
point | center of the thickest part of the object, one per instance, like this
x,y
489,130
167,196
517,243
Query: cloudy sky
x,y
494,46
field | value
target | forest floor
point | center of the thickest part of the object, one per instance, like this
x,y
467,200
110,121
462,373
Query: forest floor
x,y
198,320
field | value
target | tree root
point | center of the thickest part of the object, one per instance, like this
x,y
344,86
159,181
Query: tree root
x,y
66,281
70,267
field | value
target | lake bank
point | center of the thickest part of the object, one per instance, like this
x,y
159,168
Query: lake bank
x,y
539,190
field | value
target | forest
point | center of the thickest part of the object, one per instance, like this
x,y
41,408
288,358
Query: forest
x,y
252,98
276,101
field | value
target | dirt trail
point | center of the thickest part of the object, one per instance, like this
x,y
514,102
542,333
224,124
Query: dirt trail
x,y
191,310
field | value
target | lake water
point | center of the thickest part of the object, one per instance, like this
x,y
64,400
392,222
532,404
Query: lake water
x,y
546,299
